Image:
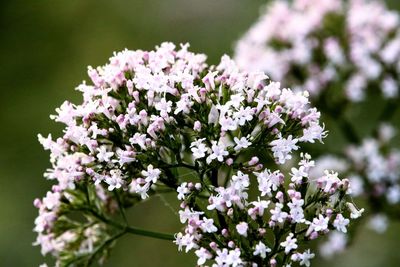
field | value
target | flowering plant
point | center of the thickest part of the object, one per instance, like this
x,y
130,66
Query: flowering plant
x,y
150,116
343,53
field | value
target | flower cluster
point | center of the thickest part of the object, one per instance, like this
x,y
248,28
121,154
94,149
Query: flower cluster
x,y
326,46
374,170
69,239
342,52
268,227
149,116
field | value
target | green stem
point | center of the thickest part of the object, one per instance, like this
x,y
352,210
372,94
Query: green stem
x,y
142,232
132,230
121,207
103,246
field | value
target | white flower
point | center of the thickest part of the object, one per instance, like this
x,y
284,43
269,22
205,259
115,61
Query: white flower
x,y
199,149
340,223
115,180
378,223
290,243
151,175
320,223
260,206
164,107
355,213
282,148
296,210
208,226
182,190
393,194
303,258
218,152
52,200
243,115
240,181
329,181
222,256
227,124
183,105
138,139
213,115
188,242
103,154
236,100
298,174
277,214
313,132
140,189
202,255
336,243
268,182
262,250
241,143
188,214
234,258
242,228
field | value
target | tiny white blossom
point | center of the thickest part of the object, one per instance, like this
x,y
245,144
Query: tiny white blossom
x,y
218,152
242,228
282,148
152,174
199,149
262,250
103,154
241,143
340,223
290,243
202,255
208,226
320,223
277,214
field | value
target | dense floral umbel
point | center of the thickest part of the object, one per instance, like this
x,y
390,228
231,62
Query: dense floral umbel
x,y
373,167
149,117
342,52
268,227
332,47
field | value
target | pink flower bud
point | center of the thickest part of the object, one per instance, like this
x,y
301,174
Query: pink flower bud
x,y
279,196
135,95
329,212
229,161
197,126
278,109
253,161
230,212
262,231
259,167
213,246
37,203
56,188
314,235
225,232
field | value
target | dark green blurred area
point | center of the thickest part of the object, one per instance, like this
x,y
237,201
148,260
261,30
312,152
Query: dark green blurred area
x,y
44,50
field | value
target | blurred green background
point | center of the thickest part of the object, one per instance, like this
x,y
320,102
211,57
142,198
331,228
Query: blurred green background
x,y
44,50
